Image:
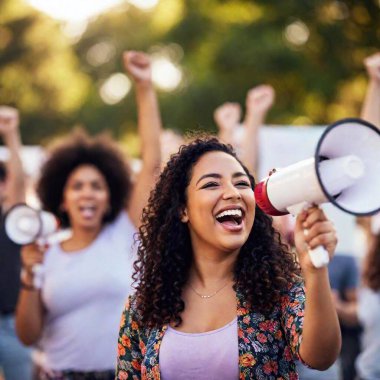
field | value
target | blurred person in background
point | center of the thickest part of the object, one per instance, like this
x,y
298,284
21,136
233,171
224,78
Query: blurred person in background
x,y
368,309
86,279
368,314
344,279
245,138
170,141
15,360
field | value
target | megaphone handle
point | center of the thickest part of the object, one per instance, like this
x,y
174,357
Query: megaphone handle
x,y
319,257
37,270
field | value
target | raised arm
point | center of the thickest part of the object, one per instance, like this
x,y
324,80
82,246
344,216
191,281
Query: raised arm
x,y
258,102
9,131
138,66
321,340
371,105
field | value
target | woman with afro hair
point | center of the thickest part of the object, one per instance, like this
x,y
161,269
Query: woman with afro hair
x,y
218,296
86,183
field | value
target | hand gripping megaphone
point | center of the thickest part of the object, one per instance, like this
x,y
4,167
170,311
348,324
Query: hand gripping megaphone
x,y
345,171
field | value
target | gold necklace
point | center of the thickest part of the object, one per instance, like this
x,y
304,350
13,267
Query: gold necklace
x,y
204,296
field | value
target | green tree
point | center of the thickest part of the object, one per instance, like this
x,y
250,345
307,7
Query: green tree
x,y
38,72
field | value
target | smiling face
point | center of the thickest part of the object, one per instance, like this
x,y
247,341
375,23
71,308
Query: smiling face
x,y
220,207
86,198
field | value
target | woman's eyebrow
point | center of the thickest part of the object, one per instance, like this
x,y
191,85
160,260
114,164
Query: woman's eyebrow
x,y
209,175
216,175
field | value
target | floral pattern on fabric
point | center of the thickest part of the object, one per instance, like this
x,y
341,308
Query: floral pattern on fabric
x,y
268,345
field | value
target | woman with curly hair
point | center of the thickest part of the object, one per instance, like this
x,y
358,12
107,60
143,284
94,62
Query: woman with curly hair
x,y
218,296
86,183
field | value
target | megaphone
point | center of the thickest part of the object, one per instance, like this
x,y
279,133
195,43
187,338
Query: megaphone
x,y
344,171
25,225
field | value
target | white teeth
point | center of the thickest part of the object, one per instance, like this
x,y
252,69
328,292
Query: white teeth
x,y
234,212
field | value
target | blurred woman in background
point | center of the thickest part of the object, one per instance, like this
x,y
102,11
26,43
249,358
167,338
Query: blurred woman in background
x,y
86,183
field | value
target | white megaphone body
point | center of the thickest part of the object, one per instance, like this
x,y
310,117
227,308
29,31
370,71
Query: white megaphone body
x,y
345,171
25,225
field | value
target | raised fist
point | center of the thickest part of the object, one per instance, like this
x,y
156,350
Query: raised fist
x,y
9,120
260,99
138,66
372,64
227,116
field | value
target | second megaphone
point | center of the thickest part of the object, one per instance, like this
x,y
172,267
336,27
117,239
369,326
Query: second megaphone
x,y
25,225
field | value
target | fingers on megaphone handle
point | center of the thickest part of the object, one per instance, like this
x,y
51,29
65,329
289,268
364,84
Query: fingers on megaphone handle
x,y
42,244
320,236
38,277
32,257
319,257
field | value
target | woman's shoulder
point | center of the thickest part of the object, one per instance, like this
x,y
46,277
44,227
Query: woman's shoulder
x,y
131,321
121,228
131,313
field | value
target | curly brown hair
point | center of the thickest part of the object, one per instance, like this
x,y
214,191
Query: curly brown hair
x,y
264,268
80,149
371,272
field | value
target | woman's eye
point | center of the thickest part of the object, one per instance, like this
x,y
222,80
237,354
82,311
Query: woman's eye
x,y
97,186
209,184
76,186
243,184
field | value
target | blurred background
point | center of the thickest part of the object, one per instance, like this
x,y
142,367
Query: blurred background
x,y
60,62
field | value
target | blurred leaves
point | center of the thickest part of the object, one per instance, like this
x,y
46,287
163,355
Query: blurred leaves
x,y
310,51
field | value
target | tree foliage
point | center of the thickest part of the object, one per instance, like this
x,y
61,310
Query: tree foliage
x,y
311,52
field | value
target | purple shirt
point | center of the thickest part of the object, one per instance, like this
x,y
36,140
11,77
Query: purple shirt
x,y
212,355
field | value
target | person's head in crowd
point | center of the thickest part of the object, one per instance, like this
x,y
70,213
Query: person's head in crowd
x,y
185,215
170,141
85,177
371,270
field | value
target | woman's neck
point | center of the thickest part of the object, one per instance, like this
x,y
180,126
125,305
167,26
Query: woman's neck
x,y
209,269
80,239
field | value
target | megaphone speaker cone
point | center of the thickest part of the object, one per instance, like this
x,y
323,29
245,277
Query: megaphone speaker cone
x,y
358,143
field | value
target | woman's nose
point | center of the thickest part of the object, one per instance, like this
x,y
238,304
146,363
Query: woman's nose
x,y
231,192
87,191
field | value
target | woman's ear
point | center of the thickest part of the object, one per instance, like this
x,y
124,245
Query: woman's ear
x,y
183,215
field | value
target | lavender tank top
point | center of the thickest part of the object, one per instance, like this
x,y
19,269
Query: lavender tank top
x,y
213,355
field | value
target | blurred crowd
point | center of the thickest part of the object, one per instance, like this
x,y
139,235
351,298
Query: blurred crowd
x,y
64,317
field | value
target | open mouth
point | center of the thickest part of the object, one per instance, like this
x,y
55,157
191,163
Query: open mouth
x,y
233,217
87,211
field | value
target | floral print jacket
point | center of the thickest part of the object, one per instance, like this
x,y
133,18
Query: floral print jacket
x,y
268,345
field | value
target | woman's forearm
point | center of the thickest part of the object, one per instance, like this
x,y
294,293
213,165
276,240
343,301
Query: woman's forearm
x,y
149,124
321,339
29,316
